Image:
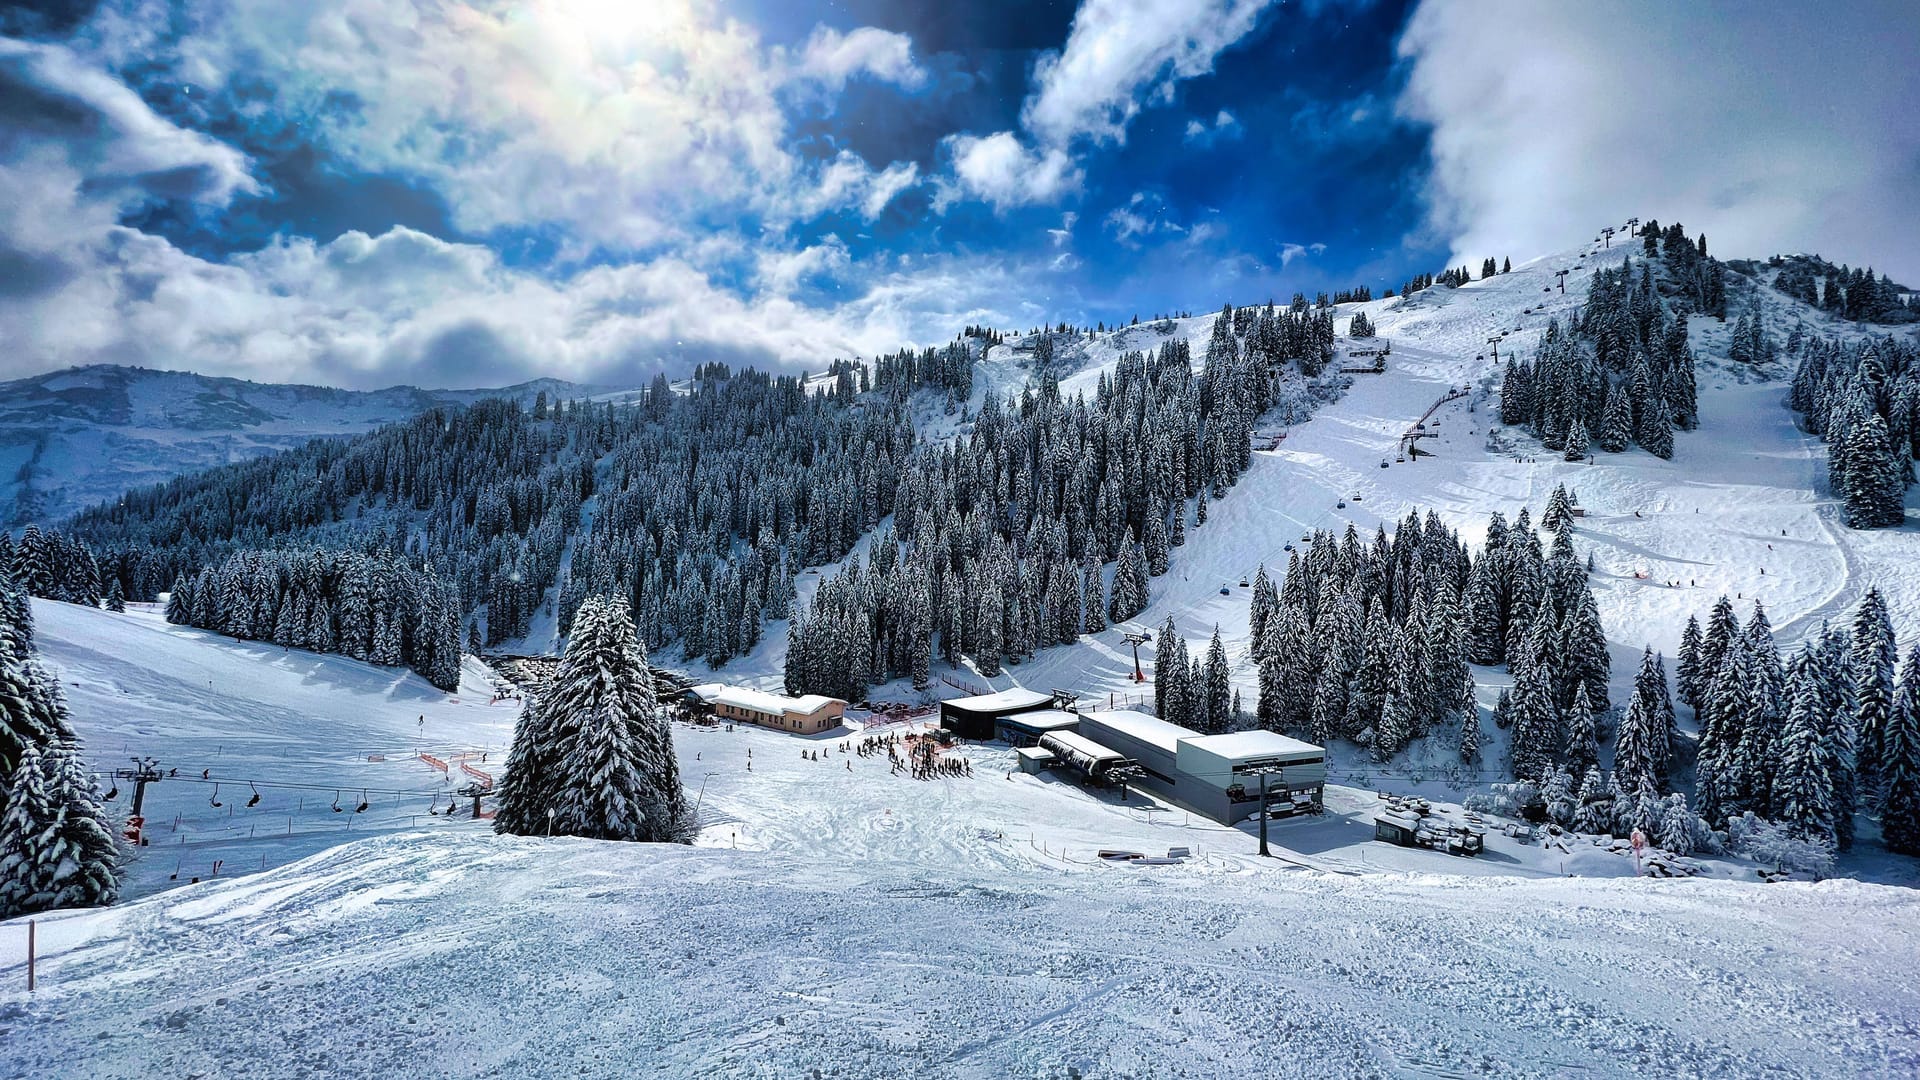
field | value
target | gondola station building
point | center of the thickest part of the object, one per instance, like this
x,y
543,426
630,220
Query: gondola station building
x,y
1218,776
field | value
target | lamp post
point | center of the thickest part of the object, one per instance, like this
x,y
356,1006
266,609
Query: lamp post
x,y
549,822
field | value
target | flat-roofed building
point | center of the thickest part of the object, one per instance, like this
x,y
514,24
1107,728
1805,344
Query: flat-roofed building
x,y
1215,775
975,717
809,714
1027,728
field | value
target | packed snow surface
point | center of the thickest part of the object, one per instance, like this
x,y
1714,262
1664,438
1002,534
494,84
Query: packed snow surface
x,y
469,955
836,915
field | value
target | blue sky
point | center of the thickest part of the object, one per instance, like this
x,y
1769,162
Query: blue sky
x,y
461,193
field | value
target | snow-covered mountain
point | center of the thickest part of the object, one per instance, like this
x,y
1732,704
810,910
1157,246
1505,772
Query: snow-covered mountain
x,y
72,438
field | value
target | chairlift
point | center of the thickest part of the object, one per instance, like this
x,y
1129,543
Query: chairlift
x,y
1383,463
336,800
255,801
215,800
1243,582
1341,505
206,774
1289,547
362,808
113,792
1224,591
433,807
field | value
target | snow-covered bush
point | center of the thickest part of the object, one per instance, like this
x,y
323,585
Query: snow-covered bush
x,y
1518,799
1773,844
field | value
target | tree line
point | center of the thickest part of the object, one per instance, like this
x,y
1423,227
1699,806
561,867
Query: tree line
x,y
1619,374
1863,401
1048,517
371,607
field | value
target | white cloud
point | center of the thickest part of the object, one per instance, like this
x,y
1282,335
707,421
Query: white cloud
x,y
1063,235
623,121
365,311
1002,171
1783,129
888,183
1120,51
403,306
1224,126
109,131
832,58
1290,251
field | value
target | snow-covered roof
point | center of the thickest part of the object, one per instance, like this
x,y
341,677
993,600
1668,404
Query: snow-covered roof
x,y
1246,745
1079,745
1035,753
1012,698
1148,729
1046,719
707,691
760,701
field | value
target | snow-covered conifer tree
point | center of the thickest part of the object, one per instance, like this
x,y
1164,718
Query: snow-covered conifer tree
x,y
597,749
57,849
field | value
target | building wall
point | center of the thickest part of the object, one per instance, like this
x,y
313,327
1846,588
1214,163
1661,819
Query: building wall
x,y
803,723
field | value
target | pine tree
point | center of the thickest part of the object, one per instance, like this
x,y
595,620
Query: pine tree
x,y
1576,442
1394,727
1642,748
1583,746
1218,686
1470,733
1899,765
1688,673
116,598
1875,478
180,601
596,750
1616,421
1870,678
1802,783
57,849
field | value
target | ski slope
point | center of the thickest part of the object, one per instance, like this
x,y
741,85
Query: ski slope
x,y
299,726
470,955
837,916
1742,509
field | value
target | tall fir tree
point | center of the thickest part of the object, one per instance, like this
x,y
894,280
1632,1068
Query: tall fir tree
x,y
596,749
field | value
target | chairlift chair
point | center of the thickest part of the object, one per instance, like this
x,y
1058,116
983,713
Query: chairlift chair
x,y
362,808
255,801
336,801
215,800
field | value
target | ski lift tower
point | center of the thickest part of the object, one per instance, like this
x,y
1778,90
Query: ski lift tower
x,y
1562,275
1633,226
145,771
1262,771
1608,233
1495,342
1137,640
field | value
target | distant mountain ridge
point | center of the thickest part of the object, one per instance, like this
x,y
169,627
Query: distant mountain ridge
x,y
83,435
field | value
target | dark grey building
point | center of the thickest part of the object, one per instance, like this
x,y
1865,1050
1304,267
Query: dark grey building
x,y
1218,776
975,717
